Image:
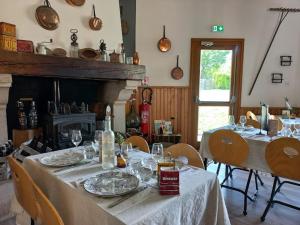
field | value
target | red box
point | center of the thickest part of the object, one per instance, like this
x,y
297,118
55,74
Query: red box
x,y
25,46
169,182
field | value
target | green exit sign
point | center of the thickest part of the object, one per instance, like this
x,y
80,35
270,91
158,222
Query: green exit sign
x,y
217,28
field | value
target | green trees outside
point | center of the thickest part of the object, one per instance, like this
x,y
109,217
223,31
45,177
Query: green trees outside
x,y
216,68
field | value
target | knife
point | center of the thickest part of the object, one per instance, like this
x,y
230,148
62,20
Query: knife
x,y
115,203
73,166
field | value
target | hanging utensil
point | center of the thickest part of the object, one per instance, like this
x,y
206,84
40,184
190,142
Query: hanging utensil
x,y
95,23
47,17
177,72
76,2
164,44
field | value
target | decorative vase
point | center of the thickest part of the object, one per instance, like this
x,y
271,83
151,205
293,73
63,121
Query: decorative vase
x,y
136,59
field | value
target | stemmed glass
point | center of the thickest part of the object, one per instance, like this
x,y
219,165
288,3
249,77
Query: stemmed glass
x,y
243,121
286,130
76,137
97,140
125,148
231,121
157,151
296,132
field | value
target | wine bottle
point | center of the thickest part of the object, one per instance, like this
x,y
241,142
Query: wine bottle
x,y
108,143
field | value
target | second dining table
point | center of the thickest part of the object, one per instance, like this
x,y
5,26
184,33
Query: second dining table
x,y
200,200
257,141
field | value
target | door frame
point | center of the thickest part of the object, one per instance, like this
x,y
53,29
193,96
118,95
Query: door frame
x,y
194,80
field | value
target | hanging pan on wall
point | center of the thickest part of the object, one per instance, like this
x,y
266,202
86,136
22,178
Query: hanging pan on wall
x,y
164,44
76,2
177,72
95,23
46,16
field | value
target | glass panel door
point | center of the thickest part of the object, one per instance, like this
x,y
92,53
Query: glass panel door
x,y
215,84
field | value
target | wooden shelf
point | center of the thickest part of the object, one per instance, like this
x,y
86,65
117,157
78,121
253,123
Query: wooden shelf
x,y
29,64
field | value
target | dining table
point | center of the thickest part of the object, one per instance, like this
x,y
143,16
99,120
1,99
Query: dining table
x,y
200,201
257,141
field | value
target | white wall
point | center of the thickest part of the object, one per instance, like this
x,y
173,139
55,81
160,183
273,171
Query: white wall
x,y
251,20
22,13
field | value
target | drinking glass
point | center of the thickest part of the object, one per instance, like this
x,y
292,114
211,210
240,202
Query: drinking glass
x,y
243,121
157,151
88,151
286,130
231,121
125,148
76,137
98,136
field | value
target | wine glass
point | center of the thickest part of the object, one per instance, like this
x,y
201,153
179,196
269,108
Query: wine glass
x,y
286,130
231,121
98,136
125,147
157,151
76,137
243,121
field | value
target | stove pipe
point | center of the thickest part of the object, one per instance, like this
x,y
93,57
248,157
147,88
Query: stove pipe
x,y
56,93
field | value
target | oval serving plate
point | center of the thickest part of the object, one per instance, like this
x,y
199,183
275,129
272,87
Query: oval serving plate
x,y
111,184
62,159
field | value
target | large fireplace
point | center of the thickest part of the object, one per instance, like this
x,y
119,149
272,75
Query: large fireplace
x,y
94,84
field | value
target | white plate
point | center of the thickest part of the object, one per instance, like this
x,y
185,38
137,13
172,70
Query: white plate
x,y
111,184
62,159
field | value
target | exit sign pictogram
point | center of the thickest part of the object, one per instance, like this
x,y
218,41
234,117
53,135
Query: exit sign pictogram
x,y
217,28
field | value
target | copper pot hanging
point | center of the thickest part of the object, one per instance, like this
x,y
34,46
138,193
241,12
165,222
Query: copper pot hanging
x,y
76,2
95,23
47,17
164,44
177,72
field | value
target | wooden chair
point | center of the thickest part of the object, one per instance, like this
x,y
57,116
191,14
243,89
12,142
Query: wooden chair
x,y
253,123
139,142
24,190
47,214
251,116
187,151
230,148
283,158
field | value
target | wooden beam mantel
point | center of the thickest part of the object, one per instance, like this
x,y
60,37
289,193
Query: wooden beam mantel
x,y
27,64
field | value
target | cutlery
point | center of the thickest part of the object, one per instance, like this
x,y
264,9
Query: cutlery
x,y
71,167
115,203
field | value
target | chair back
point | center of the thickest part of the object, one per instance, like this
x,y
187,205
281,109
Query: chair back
x,y
23,185
251,116
187,151
253,123
228,147
139,142
283,157
47,214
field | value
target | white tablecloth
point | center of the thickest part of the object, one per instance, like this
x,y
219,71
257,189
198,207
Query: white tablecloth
x,y
257,145
200,200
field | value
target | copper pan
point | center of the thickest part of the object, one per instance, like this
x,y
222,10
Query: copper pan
x,y
164,44
46,16
76,2
95,23
177,72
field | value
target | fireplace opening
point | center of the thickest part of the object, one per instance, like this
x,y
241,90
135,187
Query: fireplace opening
x,y
78,104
